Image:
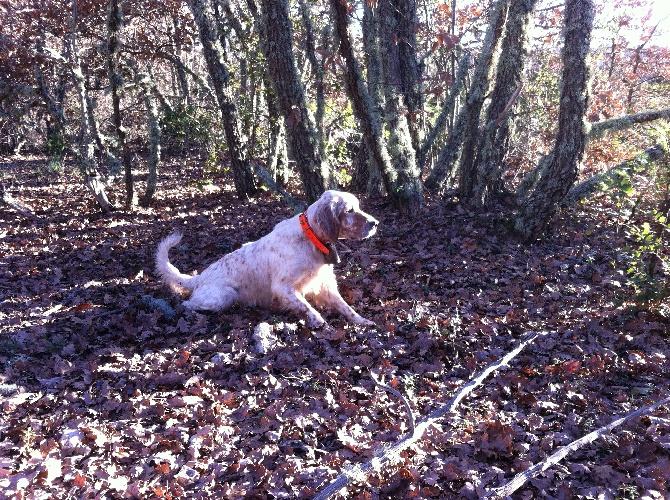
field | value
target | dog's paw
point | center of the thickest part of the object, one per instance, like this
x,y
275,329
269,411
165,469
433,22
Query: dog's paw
x,y
315,322
364,322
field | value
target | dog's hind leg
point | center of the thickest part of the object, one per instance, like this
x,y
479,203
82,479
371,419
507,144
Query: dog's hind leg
x,y
212,298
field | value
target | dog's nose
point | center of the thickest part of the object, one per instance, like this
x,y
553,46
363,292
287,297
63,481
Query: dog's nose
x,y
371,224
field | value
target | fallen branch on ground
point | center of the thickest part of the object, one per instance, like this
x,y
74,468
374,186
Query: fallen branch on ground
x,y
9,200
396,393
520,479
392,453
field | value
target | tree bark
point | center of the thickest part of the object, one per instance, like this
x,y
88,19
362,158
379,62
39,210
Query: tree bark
x,y
302,136
185,97
589,186
598,129
318,70
445,113
481,82
153,128
243,177
403,187
114,24
400,83
85,150
562,163
410,71
492,147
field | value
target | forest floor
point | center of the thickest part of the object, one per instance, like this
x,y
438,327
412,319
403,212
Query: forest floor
x,y
106,395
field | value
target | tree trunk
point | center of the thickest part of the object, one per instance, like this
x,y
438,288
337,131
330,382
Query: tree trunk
x,y
481,82
562,163
492,147
185,97
99,142
445,113
624,169
368,174
303,141
400,79
114,23
458,149
85,150
624,122
243,177
404,37
403,186
153,128
318,70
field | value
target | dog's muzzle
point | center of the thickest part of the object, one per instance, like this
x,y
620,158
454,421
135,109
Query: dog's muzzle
x,y
370,227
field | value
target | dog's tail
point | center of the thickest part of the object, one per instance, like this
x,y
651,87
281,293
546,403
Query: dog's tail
x,y
165,269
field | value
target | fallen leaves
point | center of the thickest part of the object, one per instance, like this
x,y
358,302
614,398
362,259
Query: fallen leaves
x,y
106,392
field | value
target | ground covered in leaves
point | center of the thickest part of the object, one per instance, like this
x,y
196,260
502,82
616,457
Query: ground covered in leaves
x,y
110,389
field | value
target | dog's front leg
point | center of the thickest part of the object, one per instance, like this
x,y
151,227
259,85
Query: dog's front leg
x,y
332,299
296,302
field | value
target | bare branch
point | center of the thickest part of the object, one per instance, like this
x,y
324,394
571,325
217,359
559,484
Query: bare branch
x,y
392,453
598,129
593,183
12,202
398,394
520,479
269,182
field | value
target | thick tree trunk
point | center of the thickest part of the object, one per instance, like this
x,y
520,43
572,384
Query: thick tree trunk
x,y
410,69
562,163
368,174
402,184
114,23
303,139
481,82
492,147
214,57
401,93
277,162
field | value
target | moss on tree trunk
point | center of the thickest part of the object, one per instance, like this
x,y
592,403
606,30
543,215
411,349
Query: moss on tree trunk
x,y
214,57
301,133
492,147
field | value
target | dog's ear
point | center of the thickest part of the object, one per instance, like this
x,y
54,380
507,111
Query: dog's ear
x,y
326,218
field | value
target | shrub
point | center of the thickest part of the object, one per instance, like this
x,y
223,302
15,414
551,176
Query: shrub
x,y
184,127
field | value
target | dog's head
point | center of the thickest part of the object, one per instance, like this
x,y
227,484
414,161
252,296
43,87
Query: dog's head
x,y
338,215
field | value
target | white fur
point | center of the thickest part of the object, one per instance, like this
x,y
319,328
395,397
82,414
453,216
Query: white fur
x,y
281,269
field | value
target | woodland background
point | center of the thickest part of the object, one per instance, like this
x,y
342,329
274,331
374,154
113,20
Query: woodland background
x,y
515,152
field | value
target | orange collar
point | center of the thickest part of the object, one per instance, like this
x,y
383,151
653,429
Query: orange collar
x,y
304,224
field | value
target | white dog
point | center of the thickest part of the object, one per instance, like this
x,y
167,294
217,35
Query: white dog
x,y
284,268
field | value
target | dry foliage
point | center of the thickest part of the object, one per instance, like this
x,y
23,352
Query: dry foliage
x,y
111,390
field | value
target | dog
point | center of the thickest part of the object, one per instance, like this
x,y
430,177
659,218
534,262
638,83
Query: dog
x,y
282,269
